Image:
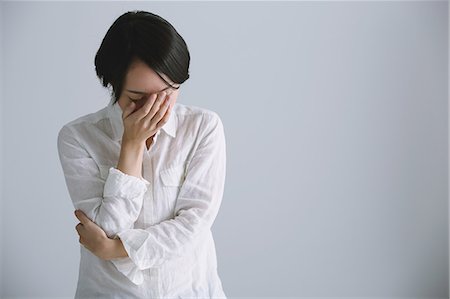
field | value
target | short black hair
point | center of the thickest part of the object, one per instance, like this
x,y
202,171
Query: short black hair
x,y
146,36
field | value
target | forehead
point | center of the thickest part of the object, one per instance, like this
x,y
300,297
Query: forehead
x,y
142,78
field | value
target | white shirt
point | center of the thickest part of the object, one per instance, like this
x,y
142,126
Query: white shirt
x,y
163,219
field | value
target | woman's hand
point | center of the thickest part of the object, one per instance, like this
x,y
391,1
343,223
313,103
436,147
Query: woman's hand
x,y
144,118
94,238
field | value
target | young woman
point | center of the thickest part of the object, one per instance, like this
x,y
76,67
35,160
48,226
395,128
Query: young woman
x,y
145,174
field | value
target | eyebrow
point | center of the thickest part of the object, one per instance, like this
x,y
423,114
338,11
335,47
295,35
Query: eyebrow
x,y
143,92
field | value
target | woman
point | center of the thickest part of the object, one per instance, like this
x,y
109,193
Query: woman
x,y
145,175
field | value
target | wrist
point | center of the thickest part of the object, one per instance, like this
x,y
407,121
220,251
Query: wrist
x,y
113,248
130,159
132,145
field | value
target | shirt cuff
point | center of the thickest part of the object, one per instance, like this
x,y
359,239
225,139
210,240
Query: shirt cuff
x,y
124,185
129,269
130,265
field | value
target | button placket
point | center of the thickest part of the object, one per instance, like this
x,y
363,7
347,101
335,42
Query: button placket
x,y
148,200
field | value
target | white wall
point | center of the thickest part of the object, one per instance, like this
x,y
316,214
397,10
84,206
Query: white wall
x,y
336,119
1,141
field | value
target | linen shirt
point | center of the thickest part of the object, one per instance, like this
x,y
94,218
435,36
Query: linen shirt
x,y
163,219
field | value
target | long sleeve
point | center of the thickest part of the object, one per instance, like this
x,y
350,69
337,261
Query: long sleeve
x,y
196,208
113,204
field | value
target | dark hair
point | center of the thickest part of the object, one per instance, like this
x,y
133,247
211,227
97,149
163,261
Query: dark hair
x,y
141,35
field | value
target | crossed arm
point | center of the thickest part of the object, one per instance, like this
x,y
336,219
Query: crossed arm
x,y
94,238
107,209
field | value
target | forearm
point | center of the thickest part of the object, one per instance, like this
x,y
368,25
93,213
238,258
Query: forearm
x,y
113,248
130,160
115,215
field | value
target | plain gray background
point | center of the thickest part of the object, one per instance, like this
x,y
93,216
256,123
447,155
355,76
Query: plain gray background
x,y
336,120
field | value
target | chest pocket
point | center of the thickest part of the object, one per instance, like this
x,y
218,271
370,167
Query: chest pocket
x,y
173,176
172,179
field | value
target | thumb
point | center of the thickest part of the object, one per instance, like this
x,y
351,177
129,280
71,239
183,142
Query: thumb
x,y
82,217
128,110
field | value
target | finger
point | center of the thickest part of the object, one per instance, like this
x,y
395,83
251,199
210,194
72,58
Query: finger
x,y
158,110
128,109
82,217
82,242
156,106
80,229
163,115
145,109
172,103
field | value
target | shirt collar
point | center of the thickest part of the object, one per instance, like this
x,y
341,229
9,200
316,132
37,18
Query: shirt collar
x,y
115,116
